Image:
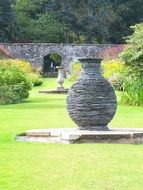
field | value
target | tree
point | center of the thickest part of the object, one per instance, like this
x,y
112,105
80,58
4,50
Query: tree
x,y
97,20
127,13
38,23
46,29
82,21
8,25
133,53
64,11
90,18
84,18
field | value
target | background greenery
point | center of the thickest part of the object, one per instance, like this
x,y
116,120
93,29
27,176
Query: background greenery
x,y
40,166
16,80
132,57
74,21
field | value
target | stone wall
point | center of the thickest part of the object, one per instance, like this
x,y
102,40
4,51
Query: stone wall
x,y
35,52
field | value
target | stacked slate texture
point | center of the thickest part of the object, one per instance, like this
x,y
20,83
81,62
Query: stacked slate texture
x,y
91,101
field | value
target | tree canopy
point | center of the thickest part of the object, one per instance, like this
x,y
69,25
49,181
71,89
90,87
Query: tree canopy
x,y
69,21
8,25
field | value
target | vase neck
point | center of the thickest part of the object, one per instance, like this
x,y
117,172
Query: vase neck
x,y
90,66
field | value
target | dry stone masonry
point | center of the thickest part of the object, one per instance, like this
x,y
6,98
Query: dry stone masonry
x,y
91,101
35,52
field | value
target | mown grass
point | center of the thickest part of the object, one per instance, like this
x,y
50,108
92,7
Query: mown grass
x,y
39,166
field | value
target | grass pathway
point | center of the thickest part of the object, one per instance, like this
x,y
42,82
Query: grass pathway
x,y
38,166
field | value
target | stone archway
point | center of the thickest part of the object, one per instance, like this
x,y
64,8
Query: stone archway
x,y
50,62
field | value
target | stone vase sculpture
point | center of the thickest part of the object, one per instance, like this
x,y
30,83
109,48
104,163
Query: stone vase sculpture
x,y
60,78
91,101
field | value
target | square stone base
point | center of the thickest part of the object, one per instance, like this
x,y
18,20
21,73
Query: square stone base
x,y
73,135
54,91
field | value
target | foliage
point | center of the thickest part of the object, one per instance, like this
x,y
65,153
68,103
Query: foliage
x,y
99,17
35,79
77,21
45,29
126,13
55,57
87,18
8,25
133,91
37,24
133,60
116,80
113,71
74,70
133,54
23,65
110,67
14,83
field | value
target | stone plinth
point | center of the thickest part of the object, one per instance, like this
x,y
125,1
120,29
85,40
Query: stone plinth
x,y
72,136
54,91
60,88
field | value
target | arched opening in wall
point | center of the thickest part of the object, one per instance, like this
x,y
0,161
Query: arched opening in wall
x,y
50,62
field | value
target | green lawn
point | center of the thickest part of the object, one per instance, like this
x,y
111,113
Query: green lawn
x,y
39,166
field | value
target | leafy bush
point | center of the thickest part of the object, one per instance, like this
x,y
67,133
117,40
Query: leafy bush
x,y
133,60
116,80
132,90
74,70
36,80
22,65
113,71
25,67
133,53
14,83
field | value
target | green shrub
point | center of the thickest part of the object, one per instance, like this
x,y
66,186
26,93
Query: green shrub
x,y
25,67
132,56
20,64
116,80
36,80
113,71
132,90
74,70
14,83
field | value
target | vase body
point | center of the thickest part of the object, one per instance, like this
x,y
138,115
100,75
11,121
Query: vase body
x,y
91,101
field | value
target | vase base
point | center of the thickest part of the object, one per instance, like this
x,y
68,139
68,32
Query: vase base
x,y
94,128
74,135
